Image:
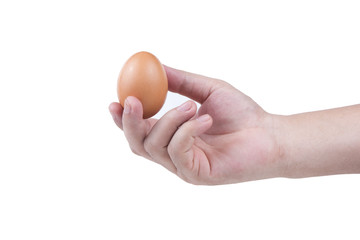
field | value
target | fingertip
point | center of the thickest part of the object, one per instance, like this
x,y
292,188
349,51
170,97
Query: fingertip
x,y
166,68
115,109
173,78
204,118
204,123
187,106
133,107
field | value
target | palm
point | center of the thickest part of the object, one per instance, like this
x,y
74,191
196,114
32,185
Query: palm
x,y
238,141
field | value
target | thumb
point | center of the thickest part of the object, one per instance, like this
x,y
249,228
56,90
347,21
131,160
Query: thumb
x,y
191,85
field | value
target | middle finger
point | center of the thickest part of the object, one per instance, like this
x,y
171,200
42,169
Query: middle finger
x,y
160,135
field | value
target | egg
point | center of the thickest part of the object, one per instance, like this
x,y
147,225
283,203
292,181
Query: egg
x,y
144,77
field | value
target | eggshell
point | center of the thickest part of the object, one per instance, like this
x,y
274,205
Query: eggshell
x,y
144,77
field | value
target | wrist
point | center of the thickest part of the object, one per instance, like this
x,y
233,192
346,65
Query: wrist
x,y
318,143
280,126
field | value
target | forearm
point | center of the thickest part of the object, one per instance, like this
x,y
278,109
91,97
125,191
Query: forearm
x,y
320,143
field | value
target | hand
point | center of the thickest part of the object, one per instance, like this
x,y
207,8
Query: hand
x,y
229,140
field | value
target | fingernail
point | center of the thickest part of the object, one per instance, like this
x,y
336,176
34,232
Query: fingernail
x,y
127,107
184,107
203,118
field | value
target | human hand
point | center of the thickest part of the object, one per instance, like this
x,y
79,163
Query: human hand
x,y
230,139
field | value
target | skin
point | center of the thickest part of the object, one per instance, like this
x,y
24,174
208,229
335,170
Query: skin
x,y
231,139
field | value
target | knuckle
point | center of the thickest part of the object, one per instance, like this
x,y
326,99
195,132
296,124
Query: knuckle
x,y
183,177
193,177
189,165
173,115
190,180
133,150
171,149
172,118
149,146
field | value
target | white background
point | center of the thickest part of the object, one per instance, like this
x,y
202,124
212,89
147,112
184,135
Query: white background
x,y
66,171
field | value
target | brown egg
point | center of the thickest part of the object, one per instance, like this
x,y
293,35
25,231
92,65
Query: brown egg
x,y
143,77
